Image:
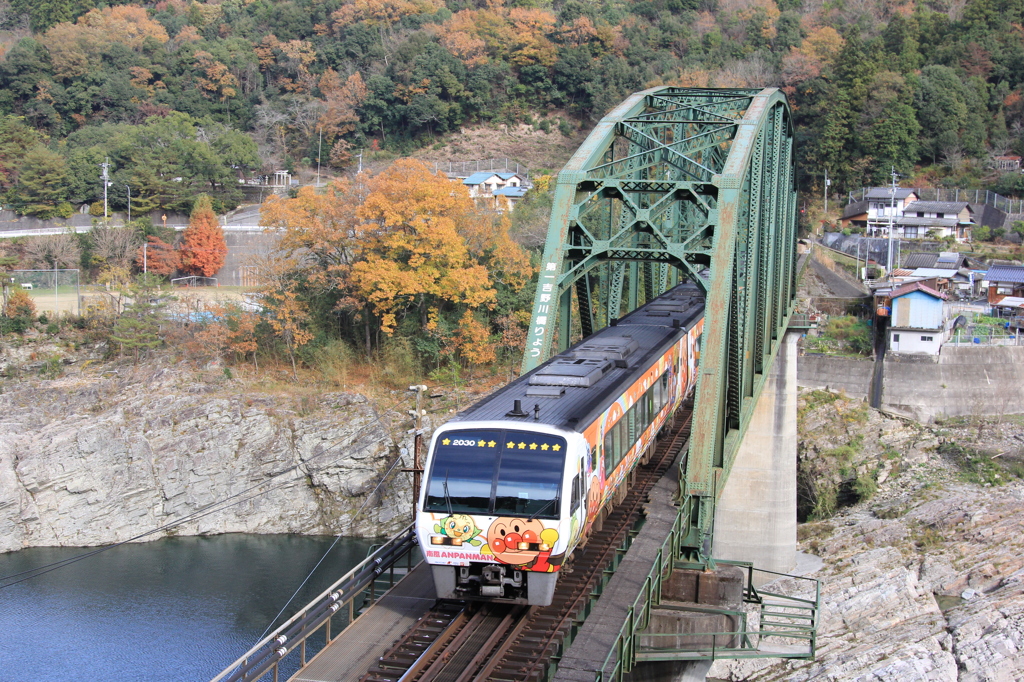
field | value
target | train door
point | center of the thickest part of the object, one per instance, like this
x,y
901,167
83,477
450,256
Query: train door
x,y
578,499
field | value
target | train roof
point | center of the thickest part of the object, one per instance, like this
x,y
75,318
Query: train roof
x,y
576,385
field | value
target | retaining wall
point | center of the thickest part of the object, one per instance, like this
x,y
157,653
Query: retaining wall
x,y
959,382
964,381
848,375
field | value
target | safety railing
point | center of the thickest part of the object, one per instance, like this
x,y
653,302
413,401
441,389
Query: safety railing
x,y
786,625
269,653
804,320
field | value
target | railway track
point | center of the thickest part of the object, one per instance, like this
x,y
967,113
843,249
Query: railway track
x,y
461,641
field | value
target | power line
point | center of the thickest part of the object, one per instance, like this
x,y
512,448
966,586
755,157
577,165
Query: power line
x,y
336,539
202,512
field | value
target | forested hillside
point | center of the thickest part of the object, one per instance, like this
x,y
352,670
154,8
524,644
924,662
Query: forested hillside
x,y
187,97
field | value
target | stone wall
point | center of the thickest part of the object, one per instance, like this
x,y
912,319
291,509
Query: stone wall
x,y
97,459
961,381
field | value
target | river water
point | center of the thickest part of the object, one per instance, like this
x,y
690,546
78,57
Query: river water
x,y
175,609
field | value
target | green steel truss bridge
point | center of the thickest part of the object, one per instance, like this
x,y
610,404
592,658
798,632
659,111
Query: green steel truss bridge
x,y
674,184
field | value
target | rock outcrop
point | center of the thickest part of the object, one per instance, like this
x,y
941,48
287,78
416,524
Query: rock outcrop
x,y
923,579
98,458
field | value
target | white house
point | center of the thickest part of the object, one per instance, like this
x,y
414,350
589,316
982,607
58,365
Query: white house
x,y
872,212
486,183
937,219
920,319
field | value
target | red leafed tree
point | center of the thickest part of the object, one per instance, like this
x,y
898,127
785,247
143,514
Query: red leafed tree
x,y
159,257
202,245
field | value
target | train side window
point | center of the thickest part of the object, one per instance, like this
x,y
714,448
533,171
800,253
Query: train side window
x,y
622,437
631,434
574,500
664,389
609,450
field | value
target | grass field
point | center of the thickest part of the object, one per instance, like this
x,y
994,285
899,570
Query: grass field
x,y
67,300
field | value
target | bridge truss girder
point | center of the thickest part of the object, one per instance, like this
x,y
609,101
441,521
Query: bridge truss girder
x,y
674,184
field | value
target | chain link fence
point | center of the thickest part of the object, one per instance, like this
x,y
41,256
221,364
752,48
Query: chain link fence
x,y
58,290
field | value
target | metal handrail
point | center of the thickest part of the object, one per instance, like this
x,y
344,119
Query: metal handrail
x,y
638,615
269,651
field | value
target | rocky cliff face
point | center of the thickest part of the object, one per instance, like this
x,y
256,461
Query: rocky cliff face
x,y
97,459
923,579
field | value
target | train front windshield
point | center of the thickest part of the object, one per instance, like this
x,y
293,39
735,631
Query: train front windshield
x,y
497,472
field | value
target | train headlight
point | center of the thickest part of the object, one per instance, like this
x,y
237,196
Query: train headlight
x,y
524,545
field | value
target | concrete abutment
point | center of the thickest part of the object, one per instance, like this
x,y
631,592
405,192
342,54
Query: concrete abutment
x,y
755,518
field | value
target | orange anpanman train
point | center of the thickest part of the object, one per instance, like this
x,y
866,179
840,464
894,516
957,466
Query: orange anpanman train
x,y
533,466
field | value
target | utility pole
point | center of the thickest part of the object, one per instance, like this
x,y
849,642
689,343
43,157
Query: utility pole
x,y
319,145
145,261
106,181
892,212
129,202
417,468
360,155
827,183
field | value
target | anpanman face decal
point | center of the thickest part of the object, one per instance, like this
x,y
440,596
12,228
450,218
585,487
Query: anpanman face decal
x,y
519,541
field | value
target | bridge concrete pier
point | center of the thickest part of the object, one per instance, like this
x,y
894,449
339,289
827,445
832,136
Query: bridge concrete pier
x,y
755,518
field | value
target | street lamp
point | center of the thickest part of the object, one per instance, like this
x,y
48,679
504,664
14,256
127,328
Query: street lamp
x,y
129,202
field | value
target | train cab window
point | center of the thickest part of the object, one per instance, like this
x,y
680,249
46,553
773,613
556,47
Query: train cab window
x,y
530,475
462,471
484,471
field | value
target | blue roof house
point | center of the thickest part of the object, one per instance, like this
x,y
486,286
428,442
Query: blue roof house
x,y
503,188
920,319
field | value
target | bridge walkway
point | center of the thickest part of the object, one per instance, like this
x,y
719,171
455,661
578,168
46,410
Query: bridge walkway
x,y
356,648
598,636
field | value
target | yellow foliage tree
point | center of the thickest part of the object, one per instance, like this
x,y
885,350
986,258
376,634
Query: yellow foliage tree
x,y
415,255
75,49
407,242
474,340
323,227
823,44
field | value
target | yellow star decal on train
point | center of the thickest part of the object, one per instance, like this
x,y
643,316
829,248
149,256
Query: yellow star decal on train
x,y
556,448
533,446
510,445
522,446
491,444
544,446
446,442
481,444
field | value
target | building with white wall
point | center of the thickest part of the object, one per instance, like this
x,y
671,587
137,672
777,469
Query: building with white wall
x,y
920,319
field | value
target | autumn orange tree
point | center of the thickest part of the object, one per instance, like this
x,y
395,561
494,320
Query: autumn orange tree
x,y
203,248
405,252
20,304
159,257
